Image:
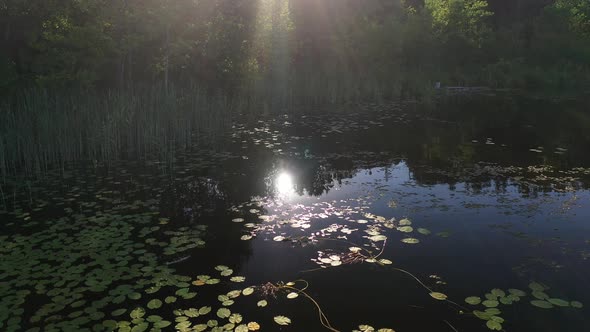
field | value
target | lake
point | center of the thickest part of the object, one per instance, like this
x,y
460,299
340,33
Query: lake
x,y
469,214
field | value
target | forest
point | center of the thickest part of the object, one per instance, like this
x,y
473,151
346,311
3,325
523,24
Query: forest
x,y
299,47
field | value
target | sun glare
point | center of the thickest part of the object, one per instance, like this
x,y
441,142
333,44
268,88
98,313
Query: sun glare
x,y
284,183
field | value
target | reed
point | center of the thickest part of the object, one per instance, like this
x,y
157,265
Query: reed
x,y
42,130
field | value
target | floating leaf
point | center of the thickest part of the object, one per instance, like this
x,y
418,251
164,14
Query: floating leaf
x,y
223,313
137,313
410,240
253,326
246,237
226,272
366,328
482,315
278,238
238,220
540,295
242,328
378,238
204,310
292,295
438,296
536,286
233,294
493,325
235,318
385,261
170,299
248,291
542,304
516,292
492,311
154,304
118,312
559,302
424,231
498,292
405,222
473,300
405,229
490,303
576,304
262,303
192,312
237,279
221,268
385,330
282,320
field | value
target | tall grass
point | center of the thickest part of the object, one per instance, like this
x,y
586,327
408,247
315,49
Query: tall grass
x,y
41,130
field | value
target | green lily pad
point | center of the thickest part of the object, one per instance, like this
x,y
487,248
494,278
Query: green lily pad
x,y
223,313
536,286
540,295
137,313
242,328
438,296
204,310
542,304
498,292
262,303
558,302
235,318
490,303
516,292
576,304
405,229
410,240
473,300
424,231
493,325
154,304
282,320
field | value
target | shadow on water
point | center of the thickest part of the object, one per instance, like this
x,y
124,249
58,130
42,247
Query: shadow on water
x,y
394,215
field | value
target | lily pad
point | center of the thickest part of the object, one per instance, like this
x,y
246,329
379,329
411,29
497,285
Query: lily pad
x,y
516,292
154,304
473,300
223,313
540,295
542,304
490,303
438,296
536,286
424,231
559,302
262,303
576,304
405,229
282,320
292,295
493,325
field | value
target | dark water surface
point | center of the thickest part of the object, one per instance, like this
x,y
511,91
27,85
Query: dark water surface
x,y
380,213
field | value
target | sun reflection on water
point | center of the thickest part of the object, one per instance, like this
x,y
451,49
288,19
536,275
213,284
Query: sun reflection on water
x,y
284,185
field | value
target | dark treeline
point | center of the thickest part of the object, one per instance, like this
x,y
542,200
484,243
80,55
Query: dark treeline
x,y
283,44
108,79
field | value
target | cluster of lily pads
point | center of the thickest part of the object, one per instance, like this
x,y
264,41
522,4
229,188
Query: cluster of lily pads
x,y
496,297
